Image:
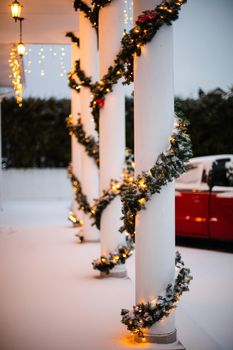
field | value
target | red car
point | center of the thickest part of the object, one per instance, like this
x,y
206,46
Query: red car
x,y
204,198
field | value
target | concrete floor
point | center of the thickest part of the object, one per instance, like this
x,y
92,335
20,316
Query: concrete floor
x,y
51,299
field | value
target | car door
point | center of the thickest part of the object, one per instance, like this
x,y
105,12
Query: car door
x,y
221,203
192,197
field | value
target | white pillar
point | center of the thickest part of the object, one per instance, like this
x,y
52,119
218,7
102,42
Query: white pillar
x,y
154,118
89,63
76,148
112,128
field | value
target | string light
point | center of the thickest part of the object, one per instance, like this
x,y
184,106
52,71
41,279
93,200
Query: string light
x,y
128,14
142,184
15,64
144,315
45,53
75,221
142,201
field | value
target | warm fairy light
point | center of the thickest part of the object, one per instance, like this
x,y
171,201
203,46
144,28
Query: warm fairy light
x,y
115,186
93,209
75,221
70,120
116,258
16,8
15,65
72,218
142,184
142,201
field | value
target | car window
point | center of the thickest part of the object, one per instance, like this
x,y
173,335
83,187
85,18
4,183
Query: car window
x,y
223,172
229,166
192,174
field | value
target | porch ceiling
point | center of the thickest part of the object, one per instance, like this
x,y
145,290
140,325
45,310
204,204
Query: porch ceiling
x,y
46,22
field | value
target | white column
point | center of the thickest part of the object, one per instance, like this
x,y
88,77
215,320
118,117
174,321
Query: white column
x,y
89,63
76,148
154,118
112,128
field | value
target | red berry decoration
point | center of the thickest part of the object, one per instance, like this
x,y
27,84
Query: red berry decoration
x,y
100,102
147,16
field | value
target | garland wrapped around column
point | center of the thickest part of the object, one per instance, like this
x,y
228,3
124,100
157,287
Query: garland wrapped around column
x,y
83,79
92,148
90,144
169,166
144,315
73,38
116,188
147,25
91,13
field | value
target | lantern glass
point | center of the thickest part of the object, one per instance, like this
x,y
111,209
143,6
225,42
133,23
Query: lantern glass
x,y
16,9
21,49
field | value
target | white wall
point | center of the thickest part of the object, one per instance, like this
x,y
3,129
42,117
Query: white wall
x,y
36,184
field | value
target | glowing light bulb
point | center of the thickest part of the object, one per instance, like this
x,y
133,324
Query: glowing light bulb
x,y
21,49
16,8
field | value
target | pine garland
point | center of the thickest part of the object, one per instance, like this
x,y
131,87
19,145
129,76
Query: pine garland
x,y
75,221
147,25
90,144
73,38
83,79
144,315
139,190
169,166
96,209
116,188
119,256
91,13
81,198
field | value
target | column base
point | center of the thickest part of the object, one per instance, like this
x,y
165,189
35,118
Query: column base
x,y
167,338
80,234
118,271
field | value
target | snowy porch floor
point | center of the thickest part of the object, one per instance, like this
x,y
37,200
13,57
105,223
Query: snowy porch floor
x,y
51,299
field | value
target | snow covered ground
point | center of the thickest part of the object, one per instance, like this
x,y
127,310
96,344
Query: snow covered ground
x,y
51,299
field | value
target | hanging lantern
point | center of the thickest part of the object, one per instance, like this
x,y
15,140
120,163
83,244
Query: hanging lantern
x,y
20,46
16,8
21,49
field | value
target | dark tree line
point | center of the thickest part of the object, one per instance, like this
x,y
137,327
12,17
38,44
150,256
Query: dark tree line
x,y
211,121
36,135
